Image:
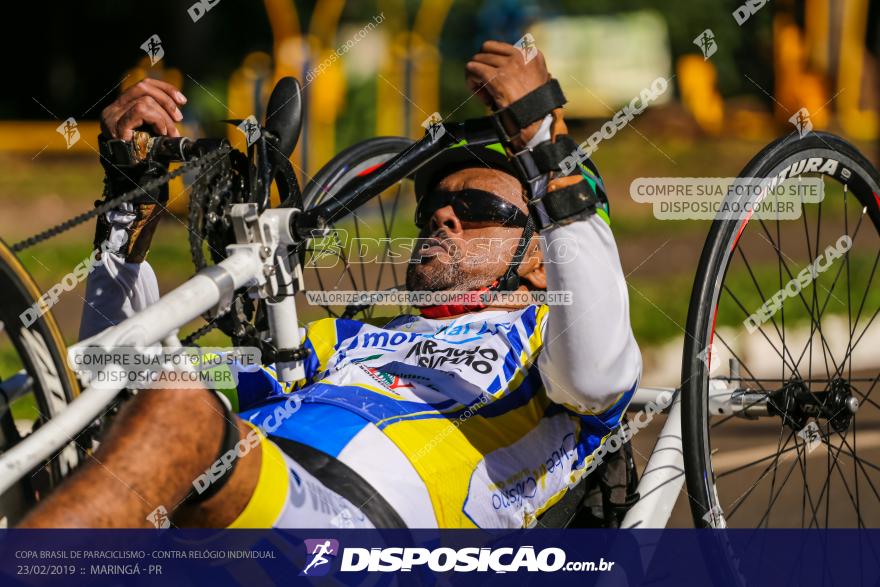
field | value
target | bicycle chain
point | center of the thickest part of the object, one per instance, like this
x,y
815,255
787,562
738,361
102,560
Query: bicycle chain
x,y
115,202
205,160
204,197
191,338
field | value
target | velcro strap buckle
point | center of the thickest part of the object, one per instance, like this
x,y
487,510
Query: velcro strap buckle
x,y
118,152
564,205
550,155
531,108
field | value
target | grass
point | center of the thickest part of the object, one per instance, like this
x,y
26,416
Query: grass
x,y
25,408
73,178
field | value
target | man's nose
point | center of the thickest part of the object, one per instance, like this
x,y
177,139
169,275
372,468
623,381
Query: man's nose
x,y
445,218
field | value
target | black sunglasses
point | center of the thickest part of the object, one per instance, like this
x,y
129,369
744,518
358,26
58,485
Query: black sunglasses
x,y
471,205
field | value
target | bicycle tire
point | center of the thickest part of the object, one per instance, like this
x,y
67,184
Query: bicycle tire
x,y
348,164
42,353
859,178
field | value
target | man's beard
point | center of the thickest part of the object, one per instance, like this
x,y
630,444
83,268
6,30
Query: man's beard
x,y
441,274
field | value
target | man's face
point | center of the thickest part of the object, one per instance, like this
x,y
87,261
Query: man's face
x,y
459,255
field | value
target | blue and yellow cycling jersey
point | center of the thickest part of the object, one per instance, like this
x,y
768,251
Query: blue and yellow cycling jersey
x,y
461,398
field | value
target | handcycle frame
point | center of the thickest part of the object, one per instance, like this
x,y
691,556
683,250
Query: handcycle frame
x,y
261,261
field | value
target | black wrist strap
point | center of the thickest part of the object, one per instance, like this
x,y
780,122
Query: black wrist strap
x,y
529,109
124,171
549,156
231,438
564,205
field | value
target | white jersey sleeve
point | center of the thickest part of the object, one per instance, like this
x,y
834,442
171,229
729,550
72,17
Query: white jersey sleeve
x,y
590,355
116,290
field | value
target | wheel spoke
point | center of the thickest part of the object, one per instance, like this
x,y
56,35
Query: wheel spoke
x,y
867,326
800,294
779,452
742,498
772,319
782,307
848,282
806,495
778,493
818,319
761,330
861,463
865,295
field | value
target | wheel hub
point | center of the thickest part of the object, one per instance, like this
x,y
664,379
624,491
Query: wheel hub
x,y
796,404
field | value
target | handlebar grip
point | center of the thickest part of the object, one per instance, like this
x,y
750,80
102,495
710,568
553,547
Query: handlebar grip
x,y
171,149
143,147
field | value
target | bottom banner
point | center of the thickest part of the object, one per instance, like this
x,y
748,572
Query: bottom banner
x,y
351,557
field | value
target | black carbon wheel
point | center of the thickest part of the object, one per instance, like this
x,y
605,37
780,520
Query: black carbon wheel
x,y
37,384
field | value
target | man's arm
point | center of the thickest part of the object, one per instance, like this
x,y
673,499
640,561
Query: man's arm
x,y
160,442
590,356
123,283
116,290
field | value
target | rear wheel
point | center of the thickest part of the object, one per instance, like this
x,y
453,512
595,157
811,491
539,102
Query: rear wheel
x,y
36,384
368,249
804,447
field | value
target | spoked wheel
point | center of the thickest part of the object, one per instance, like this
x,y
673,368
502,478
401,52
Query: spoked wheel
x,y
367,250
35,385
781,417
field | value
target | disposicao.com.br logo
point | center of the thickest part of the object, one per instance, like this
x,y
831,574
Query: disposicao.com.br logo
x,y
443,559
320,552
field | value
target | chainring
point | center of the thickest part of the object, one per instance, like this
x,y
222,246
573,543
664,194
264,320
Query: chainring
x,y
212,194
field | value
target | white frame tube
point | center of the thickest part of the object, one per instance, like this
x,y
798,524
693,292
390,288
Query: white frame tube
x,y
662,478
190,300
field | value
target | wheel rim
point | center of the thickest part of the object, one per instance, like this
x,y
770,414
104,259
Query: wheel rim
x,y
813,459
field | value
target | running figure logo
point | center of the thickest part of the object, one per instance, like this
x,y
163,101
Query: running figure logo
x,y
250,129
801,121
811,436
709,357
159,517
319,552
434,125
706,42
154,50
527,47
69,131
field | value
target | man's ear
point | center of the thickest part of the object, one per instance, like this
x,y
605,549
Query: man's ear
x,y
532,268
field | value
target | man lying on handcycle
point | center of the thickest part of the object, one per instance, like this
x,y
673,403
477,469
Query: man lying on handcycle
x,y
468,415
